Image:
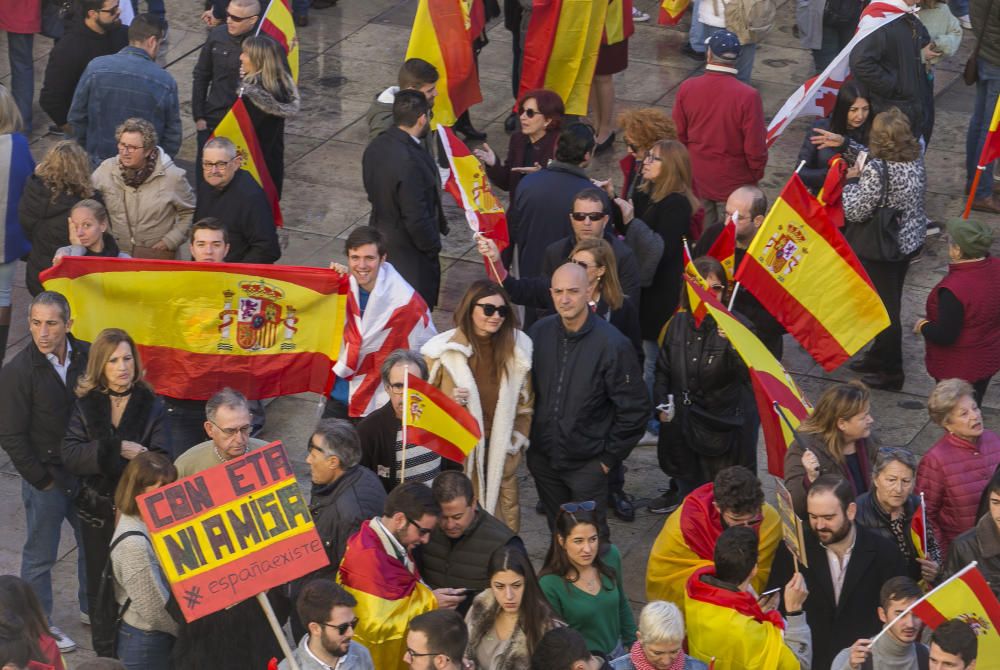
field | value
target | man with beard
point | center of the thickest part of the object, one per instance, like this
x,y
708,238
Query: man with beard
x,y
403,186
899,648
848,564
327,610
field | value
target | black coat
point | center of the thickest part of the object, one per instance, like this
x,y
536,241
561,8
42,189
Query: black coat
x,y
35,407
377,434
836,625
217,75
590,400
559,251
888,63
339,508
874,518
67,61
669,218
817,160
980,543
45,223
246,213
402,183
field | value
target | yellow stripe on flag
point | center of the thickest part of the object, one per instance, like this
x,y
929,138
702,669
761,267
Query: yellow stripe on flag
x,y
424,44
574,52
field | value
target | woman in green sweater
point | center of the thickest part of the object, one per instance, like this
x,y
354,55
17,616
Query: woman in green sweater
x,y
583,582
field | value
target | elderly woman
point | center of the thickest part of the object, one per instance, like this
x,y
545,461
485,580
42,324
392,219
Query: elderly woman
x,y
888,509
980,542
953,473
659,641
962,328
892,177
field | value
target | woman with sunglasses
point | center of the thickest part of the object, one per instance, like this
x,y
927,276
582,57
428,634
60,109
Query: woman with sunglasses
x,y
583,582
507,620
531,147
485,363
708,417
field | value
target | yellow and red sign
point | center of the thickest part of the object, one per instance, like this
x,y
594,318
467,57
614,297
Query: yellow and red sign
x,y
230,532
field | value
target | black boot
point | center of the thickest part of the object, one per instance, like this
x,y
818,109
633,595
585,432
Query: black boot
x,y
4,331
464,125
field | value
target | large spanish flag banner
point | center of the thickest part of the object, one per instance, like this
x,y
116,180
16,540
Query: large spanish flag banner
x,y
560,49
441,37
803,271
968,597
671,11
237,127
230,532
433,420
264,330
469,186
991,151
278,23
773,388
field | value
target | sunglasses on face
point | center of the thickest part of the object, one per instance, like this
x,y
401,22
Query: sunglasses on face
x,y
341,628
490,309
583,216
530,113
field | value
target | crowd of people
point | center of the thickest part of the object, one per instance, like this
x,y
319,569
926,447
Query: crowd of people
x,y
577,344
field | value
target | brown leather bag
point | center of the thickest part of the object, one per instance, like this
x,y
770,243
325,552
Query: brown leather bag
x,y
970,74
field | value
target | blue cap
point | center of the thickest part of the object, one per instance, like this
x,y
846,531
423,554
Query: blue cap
x,y
724,45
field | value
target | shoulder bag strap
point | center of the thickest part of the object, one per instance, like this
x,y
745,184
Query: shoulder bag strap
x,y
884,173
128,533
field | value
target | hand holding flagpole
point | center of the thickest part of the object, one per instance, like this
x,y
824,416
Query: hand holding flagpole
x,y
406,412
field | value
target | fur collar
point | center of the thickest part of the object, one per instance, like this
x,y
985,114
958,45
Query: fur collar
x,y
266,102
96,408
456,341
481,616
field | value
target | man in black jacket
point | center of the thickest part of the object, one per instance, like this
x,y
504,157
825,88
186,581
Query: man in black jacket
x,y
403,186
591,404
99,33
848,564
35,405
231,195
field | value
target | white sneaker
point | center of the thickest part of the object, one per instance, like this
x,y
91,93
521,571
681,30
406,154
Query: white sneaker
x,y
84,618
639,16
965,22
63,641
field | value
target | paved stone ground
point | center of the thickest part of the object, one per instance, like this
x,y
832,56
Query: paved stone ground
x,y
351,52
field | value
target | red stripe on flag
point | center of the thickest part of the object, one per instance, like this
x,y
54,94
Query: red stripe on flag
x,y
461,415
455,44
439,446
929,614
272,31
253,145
538,42
767,389
977,583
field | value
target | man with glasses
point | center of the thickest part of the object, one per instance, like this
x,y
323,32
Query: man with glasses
x,y
436,641
232,196
687,540
228,424
327,611
101,33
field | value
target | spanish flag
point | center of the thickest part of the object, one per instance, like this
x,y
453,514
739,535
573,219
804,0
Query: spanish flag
x,y
560,49
802,270
966,596
469,186
671,11
433,420
991,147
724,247
778,396
278,23
389,593
918,529
237,127
264,330
441,36
698,310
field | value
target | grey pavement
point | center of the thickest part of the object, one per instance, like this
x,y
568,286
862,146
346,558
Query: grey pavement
x,y
349,54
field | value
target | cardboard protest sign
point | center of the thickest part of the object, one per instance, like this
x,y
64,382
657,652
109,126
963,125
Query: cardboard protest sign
x,y
791,525
232,531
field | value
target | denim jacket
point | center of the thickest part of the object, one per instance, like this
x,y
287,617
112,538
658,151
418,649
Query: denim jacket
x,y
118,87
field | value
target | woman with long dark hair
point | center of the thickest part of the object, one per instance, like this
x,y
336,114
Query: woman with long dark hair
x,y
583,582
19,605
844,132
485,364
507,620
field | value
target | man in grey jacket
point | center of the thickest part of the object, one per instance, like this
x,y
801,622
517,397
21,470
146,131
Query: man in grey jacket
x,y
328,612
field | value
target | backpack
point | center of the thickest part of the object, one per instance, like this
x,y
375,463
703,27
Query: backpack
x,y
105,614
751,20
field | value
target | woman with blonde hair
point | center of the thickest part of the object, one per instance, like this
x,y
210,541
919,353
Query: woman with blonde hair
x,y
89,236
892,177
606,296
271,96
835,439
117,416
60,181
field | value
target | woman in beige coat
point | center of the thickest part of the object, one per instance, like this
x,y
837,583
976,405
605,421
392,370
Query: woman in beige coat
x,y
484,364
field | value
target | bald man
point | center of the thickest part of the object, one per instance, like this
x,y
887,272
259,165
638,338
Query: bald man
x,y
591,405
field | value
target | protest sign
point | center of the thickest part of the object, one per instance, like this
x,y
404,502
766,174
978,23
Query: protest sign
x,y
791,525
233,531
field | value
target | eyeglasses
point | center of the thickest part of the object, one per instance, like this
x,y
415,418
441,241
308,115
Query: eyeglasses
x,y
583,216
733,521
490,310
650,157
112,10
416,655
530,113
218,165
585,506
239,19
424,532
128,148
231,432
341,628
396,388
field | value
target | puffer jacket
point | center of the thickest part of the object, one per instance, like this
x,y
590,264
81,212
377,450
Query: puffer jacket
x,y
161,208
989,48
874,518
795,475
981,544
44,220
952,476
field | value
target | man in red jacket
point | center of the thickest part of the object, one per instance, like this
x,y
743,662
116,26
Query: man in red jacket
x,y
721,122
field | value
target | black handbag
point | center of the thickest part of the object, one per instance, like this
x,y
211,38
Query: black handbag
x,y
877,239
707,433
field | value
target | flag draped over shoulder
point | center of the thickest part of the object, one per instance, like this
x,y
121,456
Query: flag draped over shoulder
x,y
264,330
560,49
435,421
671,11
968,597
237,127
395,317
468,185
773,388
440,36
803,271
277,22
389,595
818,94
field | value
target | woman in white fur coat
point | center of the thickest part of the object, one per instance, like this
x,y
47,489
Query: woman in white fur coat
x,y
485,363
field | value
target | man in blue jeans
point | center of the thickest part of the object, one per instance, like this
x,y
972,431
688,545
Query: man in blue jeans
x,y
21,20
987,90
34,409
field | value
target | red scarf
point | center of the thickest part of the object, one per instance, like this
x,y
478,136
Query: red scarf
x,y
640,662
